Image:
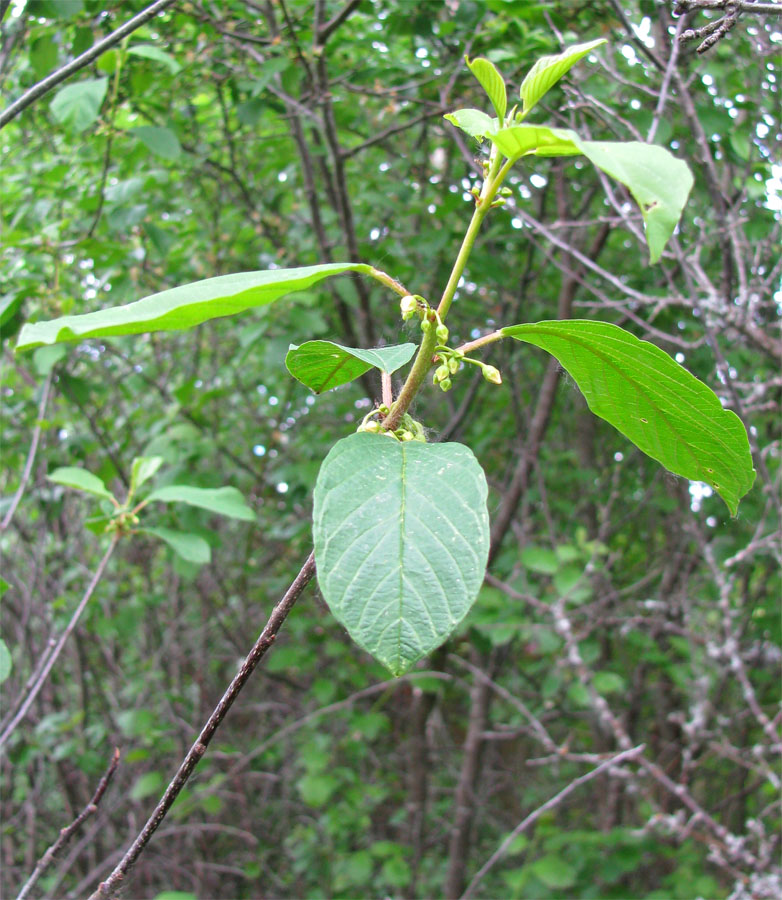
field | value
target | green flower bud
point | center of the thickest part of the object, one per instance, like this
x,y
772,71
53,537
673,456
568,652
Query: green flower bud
x,y
408,306
453,365
491,374
442,333
426,326
408,436
445,384
440,373
372,427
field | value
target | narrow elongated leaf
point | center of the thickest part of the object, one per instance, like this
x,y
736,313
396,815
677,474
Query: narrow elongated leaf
x,y
659,183
149,51
323,365
548,70
81,480
663,409
225,501
520,140
184,306
491,81
401,537
191,547
79,104
472,122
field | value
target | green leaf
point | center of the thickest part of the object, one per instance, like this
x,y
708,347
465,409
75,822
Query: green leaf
x,y
79,104
540,559
609,683
401,537
491,81
652,400
147,784
6,663
225,501
144,467
323,365
81,480
148,51
316,790
160,141
659,183
190,547
43,55
554,871
520,140
548,70
183,306
472,121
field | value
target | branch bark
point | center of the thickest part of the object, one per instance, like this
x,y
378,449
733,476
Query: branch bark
x,y
84,59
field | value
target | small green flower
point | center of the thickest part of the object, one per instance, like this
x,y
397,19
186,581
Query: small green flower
x,y
491,374
442,333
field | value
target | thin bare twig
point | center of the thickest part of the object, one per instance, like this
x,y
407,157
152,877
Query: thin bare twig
x,y
28,466
66,833
624,756
109,887
55,653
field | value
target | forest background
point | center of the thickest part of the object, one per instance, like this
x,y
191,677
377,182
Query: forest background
x,y
623,607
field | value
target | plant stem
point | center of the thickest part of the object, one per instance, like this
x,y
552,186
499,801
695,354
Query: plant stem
x,y
423,361
483,204
480,342
388,281
422,364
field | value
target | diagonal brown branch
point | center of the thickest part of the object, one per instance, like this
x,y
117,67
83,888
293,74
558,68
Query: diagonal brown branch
x,y
58,76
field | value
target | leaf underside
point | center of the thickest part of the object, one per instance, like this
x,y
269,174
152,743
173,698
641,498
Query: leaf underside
x,y
323,365
184,306
401,536
658,181
657,404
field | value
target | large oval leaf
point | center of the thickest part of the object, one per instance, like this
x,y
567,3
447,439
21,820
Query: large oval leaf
x,y
323,365
401,537
184,306
652,400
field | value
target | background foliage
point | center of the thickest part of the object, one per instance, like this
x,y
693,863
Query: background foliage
x,y
621,604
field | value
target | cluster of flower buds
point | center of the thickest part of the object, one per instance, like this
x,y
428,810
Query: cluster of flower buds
x,y
409,429
450,363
